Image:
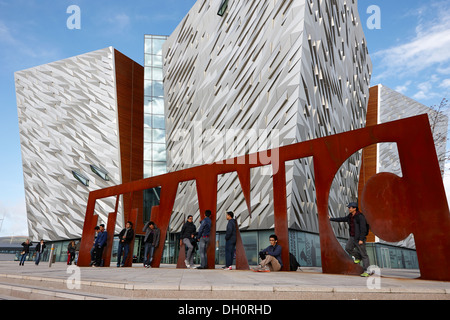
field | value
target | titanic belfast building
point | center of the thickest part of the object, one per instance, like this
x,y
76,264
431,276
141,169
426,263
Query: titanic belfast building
x,y
235,77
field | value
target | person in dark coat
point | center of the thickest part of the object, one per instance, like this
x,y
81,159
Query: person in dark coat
x,y
99,244
25,251
39,251
187,235
151,241
125,238
356,244
70,252
203,238
230,241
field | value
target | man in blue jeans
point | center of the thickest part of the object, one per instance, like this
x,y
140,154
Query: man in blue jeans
x,y
203,238
39,251
151,241
125,238
99,244
230,241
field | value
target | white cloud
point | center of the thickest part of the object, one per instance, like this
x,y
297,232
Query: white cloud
x,y
121,21
6,37
17,52
13,219
403,88
445,84
429,48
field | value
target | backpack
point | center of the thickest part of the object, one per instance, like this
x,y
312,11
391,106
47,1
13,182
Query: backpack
x,y
293,263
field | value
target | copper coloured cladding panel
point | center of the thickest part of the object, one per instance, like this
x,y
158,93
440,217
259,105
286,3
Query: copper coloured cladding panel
x,y
394,206
130,107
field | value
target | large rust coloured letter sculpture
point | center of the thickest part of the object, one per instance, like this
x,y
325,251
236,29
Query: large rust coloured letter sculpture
x,y
394,206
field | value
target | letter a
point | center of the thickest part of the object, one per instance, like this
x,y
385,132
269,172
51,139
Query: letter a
x,y
74,21
374,21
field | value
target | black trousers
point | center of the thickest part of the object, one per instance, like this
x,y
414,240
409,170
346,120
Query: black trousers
x,y
98,256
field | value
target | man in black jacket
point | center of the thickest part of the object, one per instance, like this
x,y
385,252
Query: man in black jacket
x,y
39,251
151,241
356,244
125,238
187,237
230,241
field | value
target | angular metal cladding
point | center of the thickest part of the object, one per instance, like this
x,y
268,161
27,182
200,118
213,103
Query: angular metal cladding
x,y
263,75
72,116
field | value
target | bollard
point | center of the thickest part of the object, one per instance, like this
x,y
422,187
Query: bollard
x,y
50,259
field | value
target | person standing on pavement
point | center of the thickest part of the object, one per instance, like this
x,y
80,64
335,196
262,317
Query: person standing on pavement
x,y
70,252
99,244
203,238
356,244
25,251
125,238
94,249
39,251
187,236
77,250
151,241
230,241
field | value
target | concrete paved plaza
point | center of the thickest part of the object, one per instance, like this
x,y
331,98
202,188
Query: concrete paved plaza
x,y
70,282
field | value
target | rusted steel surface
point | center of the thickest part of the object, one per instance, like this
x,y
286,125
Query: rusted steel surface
x,y
394,206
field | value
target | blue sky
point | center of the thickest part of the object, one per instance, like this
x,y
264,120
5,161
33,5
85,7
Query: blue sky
x,y
410,53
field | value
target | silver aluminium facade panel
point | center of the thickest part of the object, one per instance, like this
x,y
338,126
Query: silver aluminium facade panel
x,y
393,105
265,74
68,121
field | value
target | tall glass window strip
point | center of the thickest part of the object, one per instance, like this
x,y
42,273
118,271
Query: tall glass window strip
x,y
154,121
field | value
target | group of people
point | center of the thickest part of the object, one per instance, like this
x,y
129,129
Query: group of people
x,y
126,236
270,256
191,238
72,251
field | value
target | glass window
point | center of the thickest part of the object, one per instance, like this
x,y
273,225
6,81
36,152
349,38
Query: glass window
x,y
250,241
158,122
147,151
159,152
157,88
159,168
157,74
148,60
147,121
157,61
223,7
148,73
147,169
148,88
147,135
102,173
159,136
148,105
157,46
158,106
148,45
81,178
